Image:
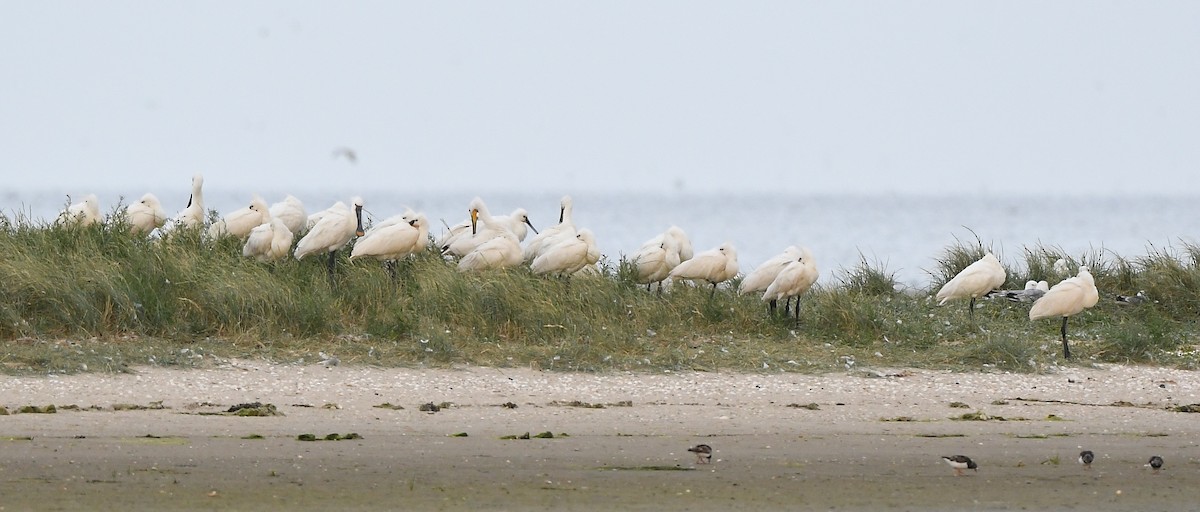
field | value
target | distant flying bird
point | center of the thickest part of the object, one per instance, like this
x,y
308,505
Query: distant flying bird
x,y
714,265
1069,297
347,153
145,215
703,453
1086,457
959,463
973,282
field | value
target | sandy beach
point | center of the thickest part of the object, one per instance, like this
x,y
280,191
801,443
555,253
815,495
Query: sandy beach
x,y
861,440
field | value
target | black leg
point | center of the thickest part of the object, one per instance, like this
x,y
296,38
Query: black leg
x,y
771,308
971,312
1066,348
332,263
713,292
796,308
390,265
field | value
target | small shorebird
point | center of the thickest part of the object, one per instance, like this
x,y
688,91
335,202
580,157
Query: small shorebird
x,y
959,463
1086,457
1155,463
703,453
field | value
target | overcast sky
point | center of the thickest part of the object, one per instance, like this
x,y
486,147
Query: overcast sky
x,y
873,96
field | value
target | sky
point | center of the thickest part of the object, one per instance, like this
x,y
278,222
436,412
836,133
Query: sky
x,y
860,97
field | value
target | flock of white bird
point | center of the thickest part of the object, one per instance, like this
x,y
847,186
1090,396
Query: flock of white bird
x,y
484,241
1067,298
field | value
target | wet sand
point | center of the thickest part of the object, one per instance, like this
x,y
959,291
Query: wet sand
x,y
629,454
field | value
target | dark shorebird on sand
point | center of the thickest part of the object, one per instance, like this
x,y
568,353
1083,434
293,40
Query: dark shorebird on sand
x,y
703,453
1086,457
959,463
1155,463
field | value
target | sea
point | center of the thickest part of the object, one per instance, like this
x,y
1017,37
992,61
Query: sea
x,y
902,235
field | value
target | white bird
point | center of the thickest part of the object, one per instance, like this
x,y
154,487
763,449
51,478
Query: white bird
x,y
291,211
685,244
145,215
337,227
83,213
192,215
500,251
239,222
564,230
483,227
714,265
518,222
793,280
395,238
973,282
1061,268
269,242
761,277
567,256
655,260
1069,297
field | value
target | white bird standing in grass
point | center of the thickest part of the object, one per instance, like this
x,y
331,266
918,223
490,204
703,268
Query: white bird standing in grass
x,y
567,256
655,260
518,222
192,215
145,215
714,265
761,277
337,227
83,213
491,246
1069,297
239,222
396,238
973,282
291,211
269,242
792,281
563,231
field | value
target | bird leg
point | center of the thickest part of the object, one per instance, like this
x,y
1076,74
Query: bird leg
x,y
331,265
971,310
390,266
771,307
1066,348
713,293
796,310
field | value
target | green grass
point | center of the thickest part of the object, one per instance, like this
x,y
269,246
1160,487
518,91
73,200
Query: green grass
x,y
98,299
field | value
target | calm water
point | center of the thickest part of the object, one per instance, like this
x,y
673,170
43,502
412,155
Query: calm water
x,y
902,233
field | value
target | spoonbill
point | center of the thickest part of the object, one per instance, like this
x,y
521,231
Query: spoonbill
x,y
145,215
478,213
83,213
973,282
655,260
291,211
1069,297
564,230
567,256
192,215
239,222
518,222
396,238
793,280
761,277
714,265
269,241
337,227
